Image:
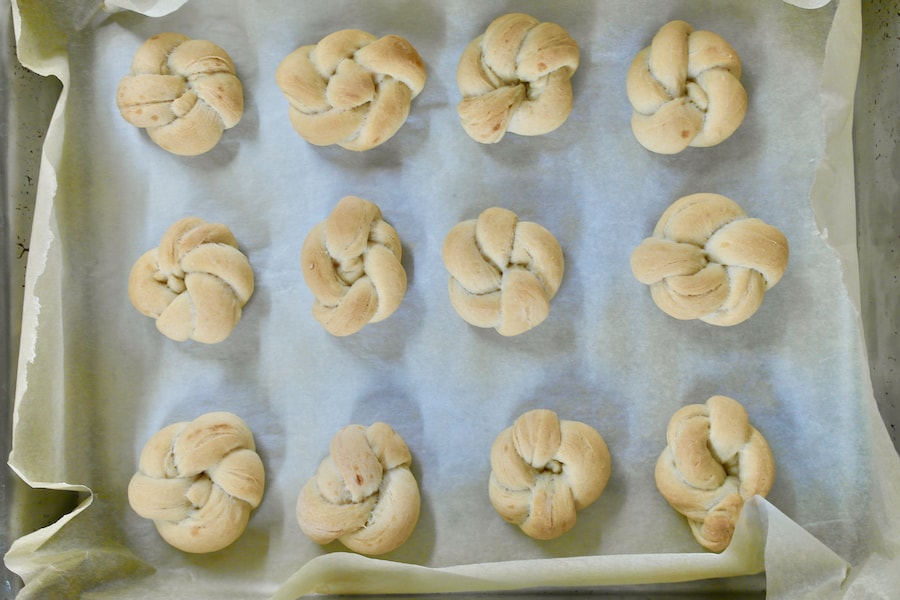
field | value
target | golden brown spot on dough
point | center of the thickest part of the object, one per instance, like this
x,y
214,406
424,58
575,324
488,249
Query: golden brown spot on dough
x,y
685,133
359,479
542,66
497,127
154,118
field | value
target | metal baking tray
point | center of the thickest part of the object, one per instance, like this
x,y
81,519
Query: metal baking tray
x,y
27,101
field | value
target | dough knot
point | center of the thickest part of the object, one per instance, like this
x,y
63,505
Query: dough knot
x,y
363,493
544,469
685,89
351,89
352,264
516,77
708,260
184,92
198,481
503,272
194,284
715,460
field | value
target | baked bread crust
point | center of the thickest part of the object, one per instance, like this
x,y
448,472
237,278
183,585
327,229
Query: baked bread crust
x,y
363,494
544,469
516,77
195,284
352,264
198,481
714,462
351,89
503,272
686,90
708,260
184,92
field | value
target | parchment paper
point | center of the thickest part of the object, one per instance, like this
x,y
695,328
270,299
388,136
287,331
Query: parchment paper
x,y
96,379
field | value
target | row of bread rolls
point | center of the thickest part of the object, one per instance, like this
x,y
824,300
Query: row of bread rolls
x,y
355,89
706,260
199,481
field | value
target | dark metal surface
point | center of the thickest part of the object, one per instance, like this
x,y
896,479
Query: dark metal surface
x,y
876,135
5,334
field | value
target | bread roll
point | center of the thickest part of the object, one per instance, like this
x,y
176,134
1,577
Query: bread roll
x,y
686,90
503,272
198,481
195,284
351,89
363,493
714,462
708,260
184,92
516,78
351,263
544,470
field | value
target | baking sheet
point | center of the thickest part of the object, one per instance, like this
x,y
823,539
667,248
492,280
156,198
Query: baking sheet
x,y
876,140
95,370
